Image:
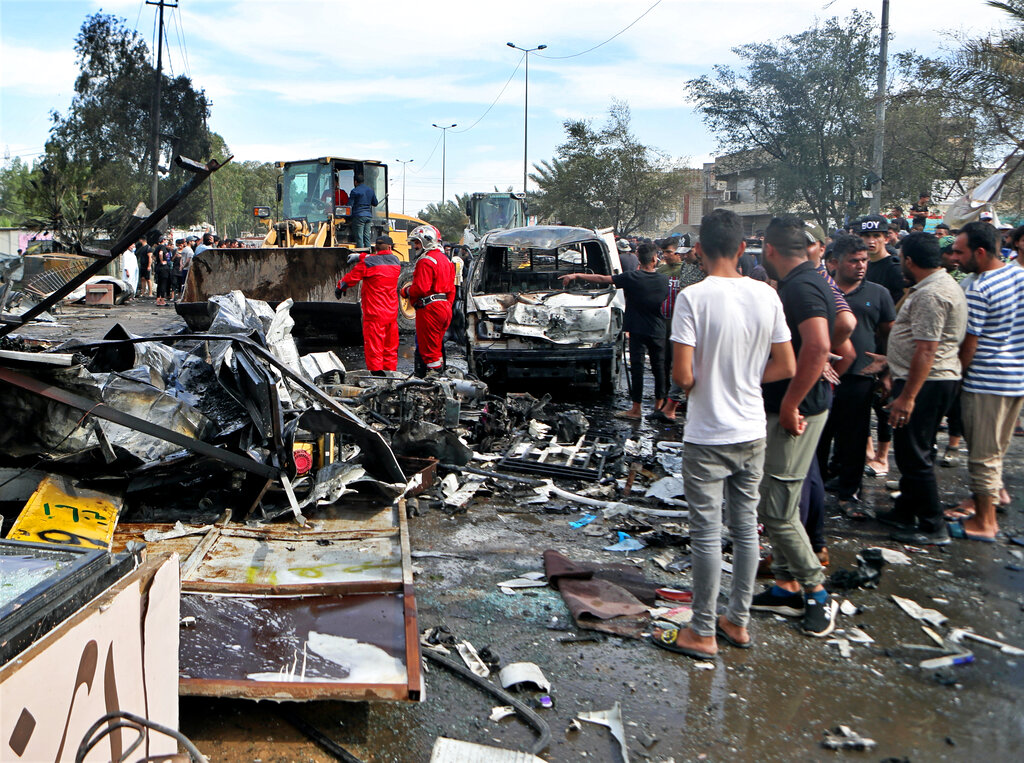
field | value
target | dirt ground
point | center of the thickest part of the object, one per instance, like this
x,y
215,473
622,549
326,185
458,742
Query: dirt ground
x,y
771,703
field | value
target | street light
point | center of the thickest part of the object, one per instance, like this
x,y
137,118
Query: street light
x,y
444,141
526,99
403,162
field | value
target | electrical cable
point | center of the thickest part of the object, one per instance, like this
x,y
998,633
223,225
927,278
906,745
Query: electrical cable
x,y
138,723
500,93
424,165
538,723
317,736
589,50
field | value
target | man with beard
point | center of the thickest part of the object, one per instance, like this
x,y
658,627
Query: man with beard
x,y
992,355
925,368
796,414
849,423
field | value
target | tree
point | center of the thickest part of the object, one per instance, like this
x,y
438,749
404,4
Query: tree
x,y
605,178
107,130
449,217
988,74
803,111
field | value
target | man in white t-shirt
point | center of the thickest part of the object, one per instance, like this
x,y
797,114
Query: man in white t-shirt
x,y
729,336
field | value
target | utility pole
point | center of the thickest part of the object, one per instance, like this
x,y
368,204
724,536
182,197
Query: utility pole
x,y
405,162
155,163
526,100
879,147
444,144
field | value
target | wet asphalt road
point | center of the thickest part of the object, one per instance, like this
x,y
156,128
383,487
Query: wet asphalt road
x,y
772,703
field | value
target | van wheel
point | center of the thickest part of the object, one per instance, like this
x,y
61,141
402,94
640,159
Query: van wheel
x,y
406,312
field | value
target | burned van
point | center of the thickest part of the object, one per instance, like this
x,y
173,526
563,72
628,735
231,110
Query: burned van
x,y
523,323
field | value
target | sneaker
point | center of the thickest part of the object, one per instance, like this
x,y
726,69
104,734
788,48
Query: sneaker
x,y
949,459
790,605
819,619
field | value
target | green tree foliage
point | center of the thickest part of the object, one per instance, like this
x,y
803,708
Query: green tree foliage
x,y
107,130
802,108
930,133
988,75
14,179
449,217
605,177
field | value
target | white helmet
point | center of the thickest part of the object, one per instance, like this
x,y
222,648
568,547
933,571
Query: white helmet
x,y
428,236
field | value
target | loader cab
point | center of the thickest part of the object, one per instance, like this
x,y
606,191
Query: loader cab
x,y
317,191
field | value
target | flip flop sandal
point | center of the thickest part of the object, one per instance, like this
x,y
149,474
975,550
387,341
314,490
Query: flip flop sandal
x,y
627,416
721,633
958,531
957,514
853,510
667,640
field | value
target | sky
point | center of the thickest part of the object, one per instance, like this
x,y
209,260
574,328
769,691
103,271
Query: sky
x,y
297,79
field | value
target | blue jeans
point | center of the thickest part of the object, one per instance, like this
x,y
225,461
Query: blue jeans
x,y
712,473
361,231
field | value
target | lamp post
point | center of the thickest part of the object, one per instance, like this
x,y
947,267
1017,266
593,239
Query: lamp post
x,y
444,142
879,142
526,100
404,162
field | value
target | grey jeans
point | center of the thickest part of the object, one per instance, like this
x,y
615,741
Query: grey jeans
x,y
712,473
785,468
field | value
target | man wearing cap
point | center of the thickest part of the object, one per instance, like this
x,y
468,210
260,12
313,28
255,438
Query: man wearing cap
x,y
883,269
925,368
378,272
627,259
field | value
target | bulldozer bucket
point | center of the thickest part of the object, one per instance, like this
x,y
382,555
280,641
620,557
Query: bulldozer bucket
x,y
307,275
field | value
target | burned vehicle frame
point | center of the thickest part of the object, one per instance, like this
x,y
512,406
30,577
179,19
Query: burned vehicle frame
x,y
523,324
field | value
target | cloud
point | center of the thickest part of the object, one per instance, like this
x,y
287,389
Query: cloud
x,y
37,71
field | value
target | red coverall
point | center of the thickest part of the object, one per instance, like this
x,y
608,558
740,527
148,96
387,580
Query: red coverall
x,y
434,274
379,273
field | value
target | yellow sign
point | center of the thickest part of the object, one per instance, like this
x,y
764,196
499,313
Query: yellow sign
x,y
61,513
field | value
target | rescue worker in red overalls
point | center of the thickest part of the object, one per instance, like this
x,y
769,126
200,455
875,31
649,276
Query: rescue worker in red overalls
x,y
378,271
432,293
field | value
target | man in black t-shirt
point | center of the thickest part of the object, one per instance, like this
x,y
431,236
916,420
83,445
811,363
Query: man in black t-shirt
x,y
645,292
883,268
796,410
919,211
849,423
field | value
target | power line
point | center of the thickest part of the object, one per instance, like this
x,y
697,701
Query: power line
x,y
182,48
500,93
424,165
588,50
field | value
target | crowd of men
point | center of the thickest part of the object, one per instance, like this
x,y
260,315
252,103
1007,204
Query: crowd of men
x,y
781,372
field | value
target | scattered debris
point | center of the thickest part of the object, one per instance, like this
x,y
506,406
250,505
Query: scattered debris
x,y
626,543
891,555
845,738
501,712
870,562
915,610
447,750
469,656
613,720
957,635
848,608
518,673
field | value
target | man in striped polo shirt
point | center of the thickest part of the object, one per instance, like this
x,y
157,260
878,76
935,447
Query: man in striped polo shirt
x,y
992,355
